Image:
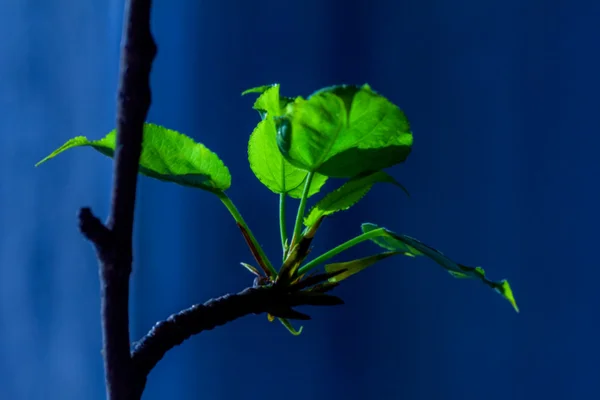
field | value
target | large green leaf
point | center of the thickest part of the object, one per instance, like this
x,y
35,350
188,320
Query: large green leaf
x,y
411,246
347,195
266,161
166,155
343,131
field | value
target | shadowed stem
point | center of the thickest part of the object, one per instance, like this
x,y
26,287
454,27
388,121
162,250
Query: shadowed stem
x,y
255,247
282,224
301,209
113,242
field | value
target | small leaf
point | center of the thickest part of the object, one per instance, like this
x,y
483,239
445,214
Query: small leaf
x,y
290,328
343,131
406,244
258,89
167,155
347,195
266,161
289,268
270,101
256,253
251,269
355,266
314,280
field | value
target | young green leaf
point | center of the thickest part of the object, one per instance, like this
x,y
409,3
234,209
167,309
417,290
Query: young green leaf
x,y
355,266
347,195
407,244
270,101
343,131
250,268
166,155
258,89
389,242
266,161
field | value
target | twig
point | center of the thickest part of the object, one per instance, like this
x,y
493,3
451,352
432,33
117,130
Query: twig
x,y
113,242
126,370
202,317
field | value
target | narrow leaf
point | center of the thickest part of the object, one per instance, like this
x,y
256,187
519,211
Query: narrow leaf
x,y
355,266
407,244
314,280
166,155
264,265
343,131
251,269
258,89
389,242
347,195
290,328
266,161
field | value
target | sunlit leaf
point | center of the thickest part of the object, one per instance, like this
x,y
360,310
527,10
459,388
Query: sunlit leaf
x,y
343,131
347,195
355,266
166,155
266,161
408,245
269,101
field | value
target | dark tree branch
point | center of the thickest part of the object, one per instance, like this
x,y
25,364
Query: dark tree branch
x,y
126,370
202,317
113,242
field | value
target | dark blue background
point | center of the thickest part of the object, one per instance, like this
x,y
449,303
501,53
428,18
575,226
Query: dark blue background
x,y
503,100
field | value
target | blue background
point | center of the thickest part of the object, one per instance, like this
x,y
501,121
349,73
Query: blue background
x,y
503,100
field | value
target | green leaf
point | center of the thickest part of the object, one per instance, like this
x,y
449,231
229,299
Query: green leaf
x,y
166,155
266,161
258,89
355,266
270,101
406,244
290,328
347,195
389,242
251,269
343,131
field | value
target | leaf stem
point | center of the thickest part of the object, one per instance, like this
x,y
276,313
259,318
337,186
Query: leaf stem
x,y
301,209
240,220
282,225
342,247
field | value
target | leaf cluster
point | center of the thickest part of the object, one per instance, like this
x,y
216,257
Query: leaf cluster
x,y
340,132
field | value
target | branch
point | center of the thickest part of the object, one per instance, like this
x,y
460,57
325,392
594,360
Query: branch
x,y
126,371
113,242
203,317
